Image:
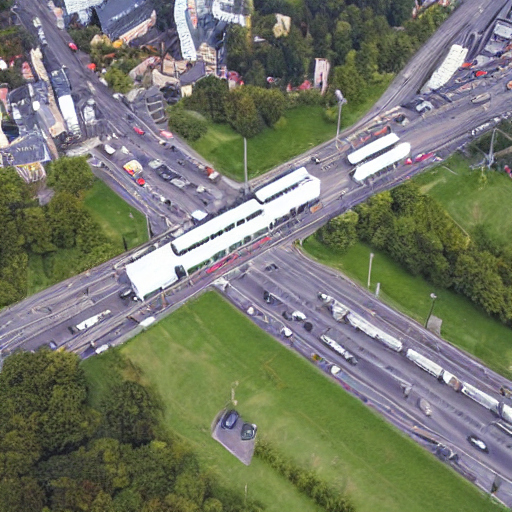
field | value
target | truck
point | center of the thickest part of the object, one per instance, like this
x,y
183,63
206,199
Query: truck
x,y
212,174
481,98
93,320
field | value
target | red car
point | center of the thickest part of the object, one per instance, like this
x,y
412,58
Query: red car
x,y
140,181
408,161
422,156
478,74
221,263
73,47
166,134
131,172
139,131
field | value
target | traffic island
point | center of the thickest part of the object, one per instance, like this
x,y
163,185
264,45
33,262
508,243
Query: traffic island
x,y
236,435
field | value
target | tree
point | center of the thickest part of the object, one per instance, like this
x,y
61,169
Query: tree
x,y
36,230
20,495
209,98
71,175
64,214
238,48
342,41
269,103
348,80
130,414
190,125
256,75
340,233
242,113
118,80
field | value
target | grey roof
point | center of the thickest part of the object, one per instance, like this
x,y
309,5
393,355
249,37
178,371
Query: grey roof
x,y
60,83
118,16
191,76
27,150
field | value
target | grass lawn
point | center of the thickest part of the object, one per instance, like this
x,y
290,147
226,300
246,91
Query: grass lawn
x,y
464,324
297,131
471,200
116,218
195,357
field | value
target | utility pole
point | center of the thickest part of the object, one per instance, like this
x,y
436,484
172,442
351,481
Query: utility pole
x,y
246,180
341,101
370,269
433,296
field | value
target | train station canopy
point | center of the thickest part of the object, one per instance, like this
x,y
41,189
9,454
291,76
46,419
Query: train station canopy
x,y
387,159
153,271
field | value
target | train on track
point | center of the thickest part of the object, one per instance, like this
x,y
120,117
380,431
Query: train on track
x,y
342,313
214,239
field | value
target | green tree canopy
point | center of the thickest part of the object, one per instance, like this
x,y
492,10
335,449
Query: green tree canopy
x,y
71,175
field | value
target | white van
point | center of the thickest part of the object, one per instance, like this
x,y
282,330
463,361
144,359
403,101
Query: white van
x,y
102,349
109,149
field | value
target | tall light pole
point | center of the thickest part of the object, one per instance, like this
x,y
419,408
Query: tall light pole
x,y
433,296
341,101
370,268
246,181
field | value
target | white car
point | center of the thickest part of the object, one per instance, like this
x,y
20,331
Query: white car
x,y
36,22
287,333
102,349
299,316
109,149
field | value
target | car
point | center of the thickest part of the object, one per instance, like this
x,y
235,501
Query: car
x,y
335,369
477,443
425,407
350,358
130,117
299,316
422,156
268,297
126,293
166,134
229,419
73,47
138,130
248,432
109,149
287,333
140,181
315,160
308,326
480,73
271,267
117,95
287,316
102,349
221,263
36,22
53,345
408,161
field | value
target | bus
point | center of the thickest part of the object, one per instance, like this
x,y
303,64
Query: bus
x,y
374,149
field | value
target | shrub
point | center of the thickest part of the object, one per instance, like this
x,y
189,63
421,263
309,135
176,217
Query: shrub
x,y
188,124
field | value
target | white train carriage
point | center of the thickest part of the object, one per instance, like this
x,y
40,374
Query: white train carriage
x,y
506,413
272,204
425,364
374,332
481,398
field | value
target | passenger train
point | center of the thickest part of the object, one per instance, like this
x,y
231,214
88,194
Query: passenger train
x,y
269,206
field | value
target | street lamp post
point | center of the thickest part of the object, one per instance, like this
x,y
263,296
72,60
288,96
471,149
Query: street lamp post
x,y
246,180
433,296
341,101
370,269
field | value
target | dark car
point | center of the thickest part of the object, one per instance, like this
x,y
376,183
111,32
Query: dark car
x,y
248,432
287,316
126,293
478,443
268,297
308,326
229,419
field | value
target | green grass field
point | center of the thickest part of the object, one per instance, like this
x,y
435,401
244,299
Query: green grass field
x,y
463,325
299,130
116,218
197,355
471,200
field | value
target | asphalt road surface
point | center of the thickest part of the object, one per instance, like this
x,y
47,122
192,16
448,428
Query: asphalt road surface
x,y
380,375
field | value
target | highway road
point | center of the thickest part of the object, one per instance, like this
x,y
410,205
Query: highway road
x,y
380,374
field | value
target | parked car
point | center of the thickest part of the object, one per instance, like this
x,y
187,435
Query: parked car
x,y
268,297
299,316
248,432
140,181
36,22
480,73
308,326
287,333
138,130
102,349
229,419
287,316
109,149
126,293
422,156
73,47
478,443
315,159
425,407
166,134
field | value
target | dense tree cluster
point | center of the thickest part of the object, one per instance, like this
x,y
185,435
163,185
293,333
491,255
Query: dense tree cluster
x,y
63,223
306,481
361,38
247,109
57,454
418,233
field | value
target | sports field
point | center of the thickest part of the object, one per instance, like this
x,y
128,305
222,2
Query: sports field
x,y
199,354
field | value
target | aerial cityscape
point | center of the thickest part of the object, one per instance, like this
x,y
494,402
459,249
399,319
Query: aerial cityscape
x,y
256,255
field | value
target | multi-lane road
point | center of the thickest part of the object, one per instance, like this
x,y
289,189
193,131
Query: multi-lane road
x,y
380,375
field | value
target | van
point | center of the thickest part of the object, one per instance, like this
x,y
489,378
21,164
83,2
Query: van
x,y
126,293
109,149
299,316
102,349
